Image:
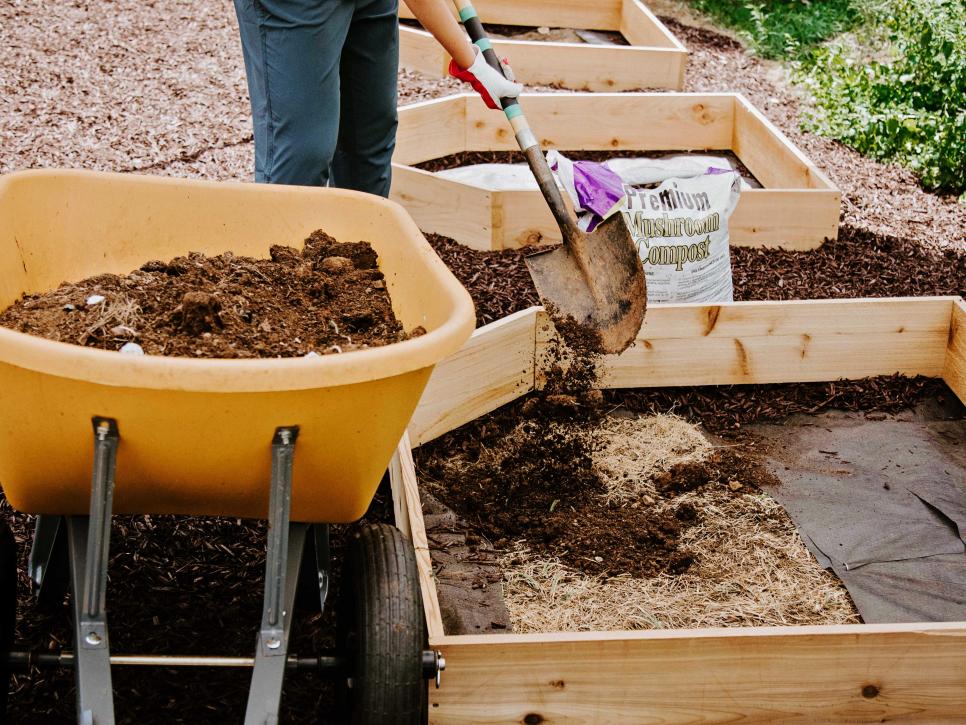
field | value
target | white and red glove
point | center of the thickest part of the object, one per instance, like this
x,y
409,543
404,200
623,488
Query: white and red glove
x,y
486,80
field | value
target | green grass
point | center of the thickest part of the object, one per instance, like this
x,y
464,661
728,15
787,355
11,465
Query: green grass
x,y
780,29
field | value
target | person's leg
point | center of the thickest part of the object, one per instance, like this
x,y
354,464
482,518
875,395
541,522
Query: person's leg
x,y
292,50
367,129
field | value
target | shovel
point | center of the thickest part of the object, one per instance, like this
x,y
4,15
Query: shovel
x,y
593,286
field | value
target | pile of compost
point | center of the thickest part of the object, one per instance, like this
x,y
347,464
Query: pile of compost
x,y
527,473
329,297
535,484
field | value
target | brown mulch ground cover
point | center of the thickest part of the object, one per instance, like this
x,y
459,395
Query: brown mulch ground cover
x,y
328,298
858,264
498,281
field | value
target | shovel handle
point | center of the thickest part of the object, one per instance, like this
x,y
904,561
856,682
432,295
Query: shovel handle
x,y
527,141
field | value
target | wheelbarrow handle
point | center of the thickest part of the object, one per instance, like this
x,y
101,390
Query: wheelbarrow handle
x,y
526,139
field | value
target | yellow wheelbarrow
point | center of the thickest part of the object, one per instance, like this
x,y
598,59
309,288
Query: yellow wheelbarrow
x,y
86,433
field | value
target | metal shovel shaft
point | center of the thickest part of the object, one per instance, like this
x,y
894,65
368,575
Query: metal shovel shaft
x,y
595,280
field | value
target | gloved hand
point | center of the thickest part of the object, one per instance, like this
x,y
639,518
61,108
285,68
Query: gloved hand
x,y
486,80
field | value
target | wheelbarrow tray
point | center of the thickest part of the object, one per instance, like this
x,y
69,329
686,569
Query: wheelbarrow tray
x,y
196,434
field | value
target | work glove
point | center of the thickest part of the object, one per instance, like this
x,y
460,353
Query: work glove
x,y
486,80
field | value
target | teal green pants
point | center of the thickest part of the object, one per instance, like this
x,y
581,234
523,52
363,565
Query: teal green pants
x,y
322,82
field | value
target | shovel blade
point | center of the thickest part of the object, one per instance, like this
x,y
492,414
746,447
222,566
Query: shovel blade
x,y
597,279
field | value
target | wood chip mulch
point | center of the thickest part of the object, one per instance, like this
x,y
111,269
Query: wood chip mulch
x,y
498,281
724,410
858,264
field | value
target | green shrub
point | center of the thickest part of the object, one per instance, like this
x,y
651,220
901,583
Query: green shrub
x,y
908,103
781,28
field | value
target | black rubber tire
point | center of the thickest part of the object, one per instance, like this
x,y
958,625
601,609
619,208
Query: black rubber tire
x,y
8,607
382,629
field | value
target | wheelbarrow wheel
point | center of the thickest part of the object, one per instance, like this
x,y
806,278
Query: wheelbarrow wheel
x,y
382,630
8,607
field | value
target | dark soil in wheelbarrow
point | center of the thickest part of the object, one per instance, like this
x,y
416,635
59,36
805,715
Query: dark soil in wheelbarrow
x,y
329,297
191,585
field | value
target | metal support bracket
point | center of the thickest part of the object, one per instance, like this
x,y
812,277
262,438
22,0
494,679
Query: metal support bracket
x,y
48,564
320,539
89,545
314,577
283,558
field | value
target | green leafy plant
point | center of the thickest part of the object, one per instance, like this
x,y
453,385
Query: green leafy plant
x,y
908,103
781,28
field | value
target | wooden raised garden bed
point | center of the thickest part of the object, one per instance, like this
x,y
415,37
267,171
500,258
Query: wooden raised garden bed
x,y
803,674
653,59
797,208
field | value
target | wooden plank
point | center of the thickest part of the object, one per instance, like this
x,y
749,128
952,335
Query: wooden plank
x,y
640,26
580,14
797,219
598,121
593,67
735,343
400,506
792,218
954,369
806,675
769,155
773,342
569,65
522,219
444,206
409,519
761,219
430,129
493,368
419,51
814,674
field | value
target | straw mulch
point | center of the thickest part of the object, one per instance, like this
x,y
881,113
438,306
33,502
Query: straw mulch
x,y
751,566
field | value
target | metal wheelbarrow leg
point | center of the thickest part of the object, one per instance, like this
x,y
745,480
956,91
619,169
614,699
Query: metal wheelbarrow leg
x,y
380,578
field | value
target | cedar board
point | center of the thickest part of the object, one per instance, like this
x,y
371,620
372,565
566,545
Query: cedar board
x,y
912,672
798,208
654,58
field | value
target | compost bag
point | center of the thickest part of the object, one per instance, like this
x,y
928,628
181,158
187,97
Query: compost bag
x,y
679,220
